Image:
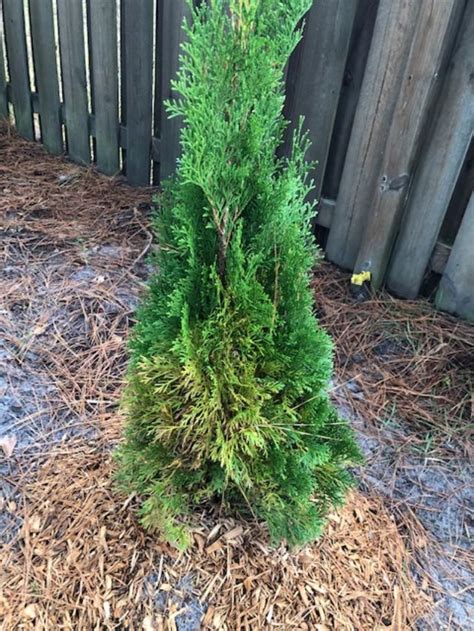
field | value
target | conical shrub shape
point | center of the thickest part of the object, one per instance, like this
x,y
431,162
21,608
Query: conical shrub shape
x,y
227,392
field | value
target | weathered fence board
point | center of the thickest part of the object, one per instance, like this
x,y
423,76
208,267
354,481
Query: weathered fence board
x,y
3,78
46,74
359,46
158,98
438,170
15,34
104,63
73,68
460,197
315,77
428,50
410,45
138,69
394,28
456,290
171,14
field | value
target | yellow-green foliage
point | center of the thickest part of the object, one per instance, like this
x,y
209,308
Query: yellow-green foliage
x,y
227,388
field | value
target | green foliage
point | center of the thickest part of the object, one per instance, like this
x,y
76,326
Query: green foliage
x,y
227,388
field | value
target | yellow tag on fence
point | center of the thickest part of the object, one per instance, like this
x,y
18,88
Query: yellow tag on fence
x,y
359,279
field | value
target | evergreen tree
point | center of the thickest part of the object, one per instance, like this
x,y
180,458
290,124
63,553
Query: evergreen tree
x,y
227,392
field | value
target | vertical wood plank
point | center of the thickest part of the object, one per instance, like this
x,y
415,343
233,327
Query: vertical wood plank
x,y
89,72
460,197
46,73
3,79
138,40
103,34
170,36
316,75
71,39
408,48
14,21
393,32
123,82
158,98
440,165
431,43
359,47
456,290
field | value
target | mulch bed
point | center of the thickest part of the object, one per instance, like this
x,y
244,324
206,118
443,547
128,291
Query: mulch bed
x,y
81,560
401,355
72,554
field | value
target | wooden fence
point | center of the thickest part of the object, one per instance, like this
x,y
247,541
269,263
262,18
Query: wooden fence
x,y
386,86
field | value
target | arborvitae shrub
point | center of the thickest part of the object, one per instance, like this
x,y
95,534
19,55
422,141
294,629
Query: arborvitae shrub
x,y
227,393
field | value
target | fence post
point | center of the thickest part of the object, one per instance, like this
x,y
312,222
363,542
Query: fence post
x,y
438,170
456,289
46,74
76,110
14,20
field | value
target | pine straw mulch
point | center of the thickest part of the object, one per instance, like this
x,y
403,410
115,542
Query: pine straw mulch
x,y
74,244
82,562
73,250
401,357
404,375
